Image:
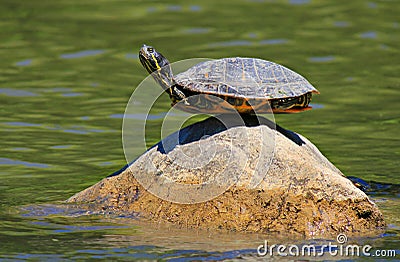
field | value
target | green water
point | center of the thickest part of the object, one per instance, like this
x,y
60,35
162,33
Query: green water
x,y
68,68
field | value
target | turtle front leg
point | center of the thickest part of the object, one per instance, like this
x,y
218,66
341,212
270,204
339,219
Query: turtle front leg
x,y
179,95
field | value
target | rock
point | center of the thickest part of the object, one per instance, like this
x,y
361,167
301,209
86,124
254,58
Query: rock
x,y
222,173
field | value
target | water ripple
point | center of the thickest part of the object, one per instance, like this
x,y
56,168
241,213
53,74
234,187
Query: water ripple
x,y
107,163
82,130
132,56
252,35
82,54
197,30
26,62
151,9
174,8
16,92
9,161
299,2
25,124
21,149
139,116
372,5
195,8
369,34
60,147
231,43
57,228
321,59
273,41
341,24
316,106
147,116
59,89
72,94
75,131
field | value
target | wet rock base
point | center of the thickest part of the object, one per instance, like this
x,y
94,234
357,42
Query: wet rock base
x,y
296,190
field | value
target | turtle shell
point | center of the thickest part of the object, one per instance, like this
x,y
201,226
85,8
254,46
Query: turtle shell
x,y
244,78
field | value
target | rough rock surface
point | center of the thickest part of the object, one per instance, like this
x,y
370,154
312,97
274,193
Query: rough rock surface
x,y
252,177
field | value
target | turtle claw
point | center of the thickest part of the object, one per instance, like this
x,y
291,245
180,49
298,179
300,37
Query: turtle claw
x,y
186,102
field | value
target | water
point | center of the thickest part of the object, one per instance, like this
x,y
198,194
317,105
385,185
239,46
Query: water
x,y
68,69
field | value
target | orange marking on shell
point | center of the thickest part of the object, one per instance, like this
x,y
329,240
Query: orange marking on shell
x,y
292,110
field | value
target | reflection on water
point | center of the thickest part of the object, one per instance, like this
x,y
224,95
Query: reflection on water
x,y
76,129
7,161
299,2
174,8
319,59
16,92
81,54
61,147
24,62
72,94
248,43
197,30
195,8
139,116
58,89
372,5
232,43
132,56
133,238
273,41
341,24
68,69
369,34
20,149
25,124
316,106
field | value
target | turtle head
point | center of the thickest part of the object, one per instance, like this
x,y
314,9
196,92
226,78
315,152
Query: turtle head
x,y
157,65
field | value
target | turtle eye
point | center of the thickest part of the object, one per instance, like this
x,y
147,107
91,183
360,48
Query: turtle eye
x,y
150,50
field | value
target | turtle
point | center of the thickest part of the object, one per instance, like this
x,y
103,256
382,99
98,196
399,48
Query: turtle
x,y
247,85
